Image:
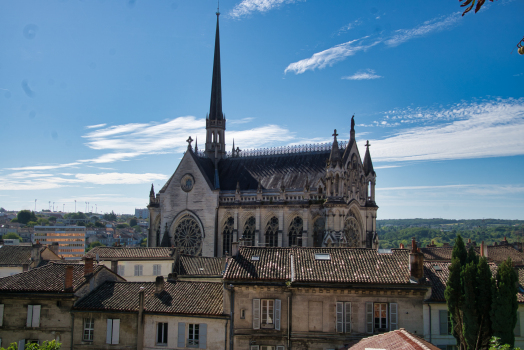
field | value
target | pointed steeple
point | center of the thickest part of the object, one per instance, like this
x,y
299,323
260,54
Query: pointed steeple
x,y
215,110
233,151
196,144
152,192
334,157
368,164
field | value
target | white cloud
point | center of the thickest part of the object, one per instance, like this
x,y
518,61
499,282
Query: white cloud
x,y
363,75
330,56
349,26
95,126
240,121
474,130
340,52
246,7
120,178
436,24
46,167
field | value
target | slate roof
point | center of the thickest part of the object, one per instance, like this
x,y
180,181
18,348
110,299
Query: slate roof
x,y
131,253
199,266
193,298
399,339
497,254
45,279
346,265
16,255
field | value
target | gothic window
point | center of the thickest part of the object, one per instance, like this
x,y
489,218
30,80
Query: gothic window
x,y
352,233
227,236
295,232
318,232
272,232
249,231
188,236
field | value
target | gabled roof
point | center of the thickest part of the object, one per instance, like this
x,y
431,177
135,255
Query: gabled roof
x,y
496,254
193,298
131,253
300,265
399,339
368,164
16,255
199,266
48,278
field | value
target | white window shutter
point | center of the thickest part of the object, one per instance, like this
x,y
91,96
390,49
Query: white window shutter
x,y
277,314
340,315
29,322
254,347
369,317
1,316
21,344
181,341
256,313
393,316
36,315
109,334
202,341
116,331
347,317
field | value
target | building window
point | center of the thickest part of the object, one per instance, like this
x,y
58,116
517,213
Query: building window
x,y
157,270
381,317
161,331
343,317
33,316
266,313
121,270
272,232
445,322
227,236
89,327
113,331
193,335
295,232
249,231
138,270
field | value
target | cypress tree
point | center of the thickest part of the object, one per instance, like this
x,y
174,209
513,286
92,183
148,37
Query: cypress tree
x,y
454,292
459,251
504,303
484,303
470,327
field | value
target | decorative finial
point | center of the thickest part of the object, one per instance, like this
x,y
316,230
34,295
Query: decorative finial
x,y
335,134
218,7
189,140
238,150
196,144
353,123
368,144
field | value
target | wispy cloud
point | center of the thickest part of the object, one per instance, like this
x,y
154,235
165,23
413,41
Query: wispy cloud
x,y
349,26
342,51
95,126
240,121
466,130
434,25
363,75
47,167
330,56
247,7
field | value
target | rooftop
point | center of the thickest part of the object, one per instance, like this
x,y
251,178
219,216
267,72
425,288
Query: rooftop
x,y
399,339
131,253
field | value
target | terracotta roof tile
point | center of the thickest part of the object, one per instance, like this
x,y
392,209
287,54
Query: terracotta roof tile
x,y
48,278
399,339
129,253
346,265
195,298
200,266
15,255
496,254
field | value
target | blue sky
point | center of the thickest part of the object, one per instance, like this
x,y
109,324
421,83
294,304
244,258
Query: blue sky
x,y
98,97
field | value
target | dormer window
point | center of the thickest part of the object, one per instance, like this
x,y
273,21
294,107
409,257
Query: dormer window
x,y
322,256
255,258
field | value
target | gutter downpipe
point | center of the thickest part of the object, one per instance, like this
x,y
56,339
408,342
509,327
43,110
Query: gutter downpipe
x,y
231,314
288,323
72,328
429,305
225,333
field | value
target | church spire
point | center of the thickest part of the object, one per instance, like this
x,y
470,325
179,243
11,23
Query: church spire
x,y
368,164
334,157
215,110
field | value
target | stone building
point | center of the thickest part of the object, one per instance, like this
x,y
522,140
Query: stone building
x,y
310,195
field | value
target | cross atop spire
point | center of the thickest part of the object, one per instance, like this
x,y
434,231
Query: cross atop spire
x,y
335,134
368,144
189,140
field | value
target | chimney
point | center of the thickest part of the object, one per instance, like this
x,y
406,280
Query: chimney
x,y
114,266
234,249
35,254
54,247
88,266
68,282
25,267
401,246
469,240
416,262
484,249
159,284
172,277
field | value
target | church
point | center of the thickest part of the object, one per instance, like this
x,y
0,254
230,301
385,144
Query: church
x,y
311,195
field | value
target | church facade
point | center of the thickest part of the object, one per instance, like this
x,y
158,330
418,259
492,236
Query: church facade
x,y
310,195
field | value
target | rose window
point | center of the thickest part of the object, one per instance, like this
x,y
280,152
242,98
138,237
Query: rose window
x,y
188,236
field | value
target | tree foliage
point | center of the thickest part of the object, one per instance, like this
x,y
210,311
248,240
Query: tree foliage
x,y
471,3
11,235
504,306
46,345
110,217
78,215
24,216
133,222
94,244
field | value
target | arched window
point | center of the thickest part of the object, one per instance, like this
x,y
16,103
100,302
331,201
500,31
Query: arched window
x,y
188,235
295,232
352,233
318,232
249,231
272,232
227,236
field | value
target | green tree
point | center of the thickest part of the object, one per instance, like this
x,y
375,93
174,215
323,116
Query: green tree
x,y
484,300
46,345
94,244
471,324
12,235
504,305
143,242
32,223
43,222
24,216
124,225
133,222
80,223
99,224
110,217
52,219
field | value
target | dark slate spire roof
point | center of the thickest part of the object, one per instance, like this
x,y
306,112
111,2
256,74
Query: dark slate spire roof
x,y
368,164
334,157
215,110
152,192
